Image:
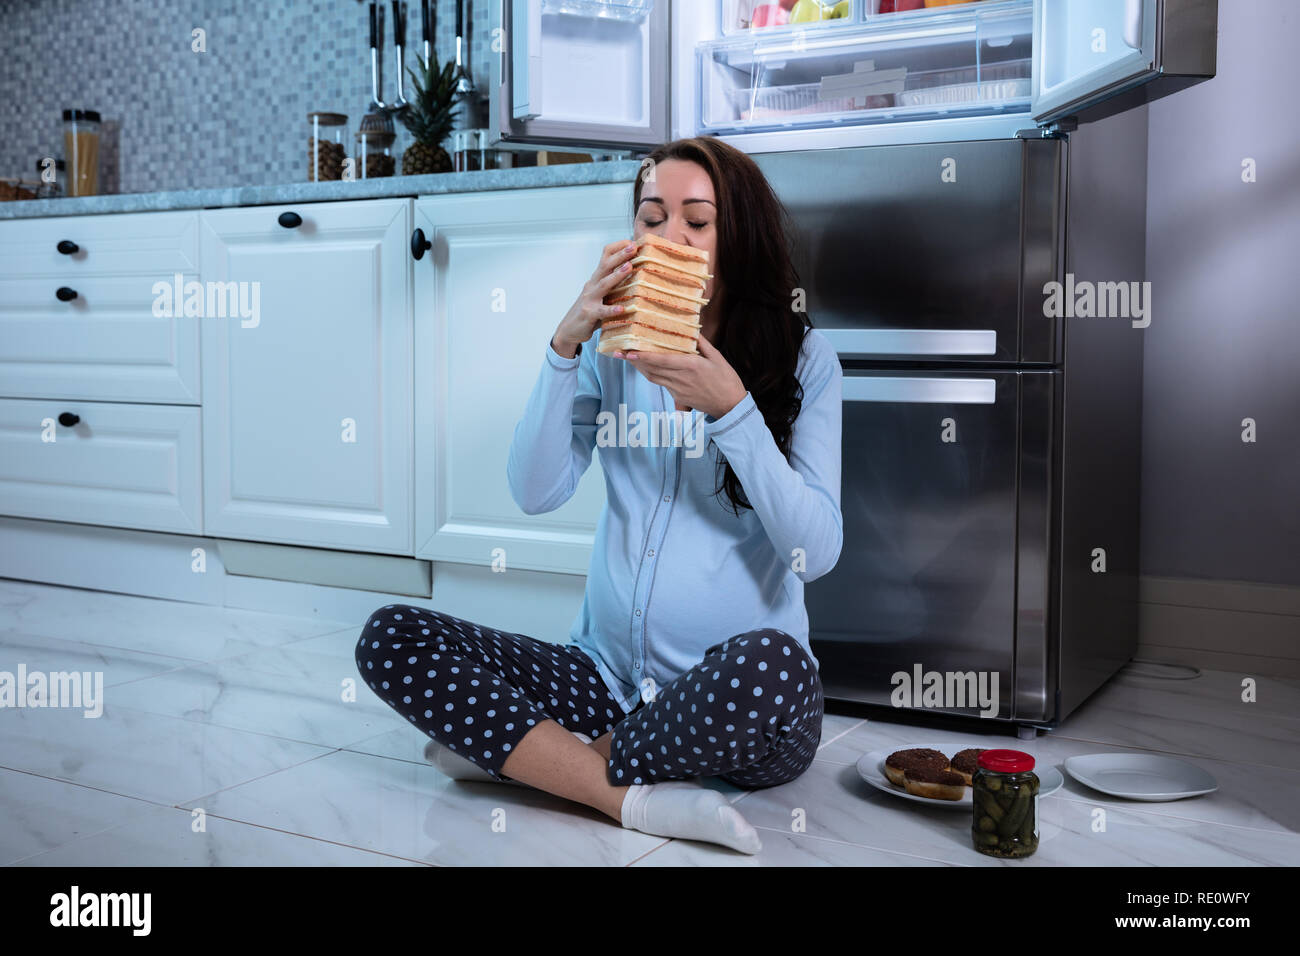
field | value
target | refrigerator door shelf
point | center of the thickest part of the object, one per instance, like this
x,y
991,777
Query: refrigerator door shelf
x,y
631,10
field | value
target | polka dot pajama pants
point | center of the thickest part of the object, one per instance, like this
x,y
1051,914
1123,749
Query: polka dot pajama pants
x,y
749,712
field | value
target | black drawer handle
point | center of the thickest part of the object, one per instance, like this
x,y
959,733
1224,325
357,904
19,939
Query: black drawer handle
x,y
290,220
65,294
419,244
68,247
68,419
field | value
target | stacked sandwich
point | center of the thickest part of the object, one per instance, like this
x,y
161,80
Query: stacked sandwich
x,y
661,300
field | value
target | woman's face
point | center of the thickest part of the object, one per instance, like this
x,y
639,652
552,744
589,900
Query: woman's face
x,y
678,204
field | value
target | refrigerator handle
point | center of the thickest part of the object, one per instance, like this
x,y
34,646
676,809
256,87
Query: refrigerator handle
x,y
948,391
1133,24
525,58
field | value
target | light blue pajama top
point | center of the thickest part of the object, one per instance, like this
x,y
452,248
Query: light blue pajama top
x,y
674,571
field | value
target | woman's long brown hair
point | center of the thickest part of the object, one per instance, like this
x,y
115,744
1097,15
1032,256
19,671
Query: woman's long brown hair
x,y
759,333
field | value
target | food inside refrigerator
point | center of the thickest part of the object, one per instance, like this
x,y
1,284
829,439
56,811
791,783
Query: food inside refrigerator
x,y
745,15
971,58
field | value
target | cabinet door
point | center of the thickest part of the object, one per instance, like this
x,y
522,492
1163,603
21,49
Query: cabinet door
x,y
503,269
307,403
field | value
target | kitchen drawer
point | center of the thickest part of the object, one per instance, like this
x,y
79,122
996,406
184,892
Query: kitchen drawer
x,y
104,345
126,466
155,244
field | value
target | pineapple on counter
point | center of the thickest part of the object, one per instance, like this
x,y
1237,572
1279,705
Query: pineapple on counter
x,y
430,117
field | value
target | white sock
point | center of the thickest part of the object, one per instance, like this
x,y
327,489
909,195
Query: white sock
x,y
461,768
683,808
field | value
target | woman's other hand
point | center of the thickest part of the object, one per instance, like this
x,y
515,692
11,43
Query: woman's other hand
x,y
705,381
586,313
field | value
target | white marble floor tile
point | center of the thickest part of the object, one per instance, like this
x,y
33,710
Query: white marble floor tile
x,y
310,707
1173,718
191,632
146,756
413,811
49,654
40,814
1273,695
164,836
781,848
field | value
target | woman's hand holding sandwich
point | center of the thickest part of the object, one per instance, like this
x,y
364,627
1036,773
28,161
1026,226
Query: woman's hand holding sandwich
x,y
586,313
705,381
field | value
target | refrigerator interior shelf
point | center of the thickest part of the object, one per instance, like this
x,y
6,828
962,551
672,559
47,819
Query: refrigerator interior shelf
x,y
986,85
960,93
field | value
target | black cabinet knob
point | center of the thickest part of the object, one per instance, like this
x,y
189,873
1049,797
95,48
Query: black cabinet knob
x,y
65,294
290,220
419,244
68,419
68,247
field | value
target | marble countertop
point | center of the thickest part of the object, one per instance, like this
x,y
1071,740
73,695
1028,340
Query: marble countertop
x,y
568,174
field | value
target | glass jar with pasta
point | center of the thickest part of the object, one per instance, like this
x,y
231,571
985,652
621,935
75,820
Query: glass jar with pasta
x,y
81,150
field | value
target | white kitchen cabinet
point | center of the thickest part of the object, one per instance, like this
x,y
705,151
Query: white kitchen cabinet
x,y
307,404
501,271
80,314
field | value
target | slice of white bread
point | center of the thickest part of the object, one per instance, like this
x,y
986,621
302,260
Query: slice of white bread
x,y
652,313
687,259
654,287
670,274
640,298
627,334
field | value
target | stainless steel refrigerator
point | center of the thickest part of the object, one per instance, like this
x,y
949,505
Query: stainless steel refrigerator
x,y
942,167
991,452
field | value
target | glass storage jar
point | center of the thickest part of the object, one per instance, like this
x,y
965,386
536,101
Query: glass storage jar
x,y
52,174
1005,799
374,154
327,146
81,147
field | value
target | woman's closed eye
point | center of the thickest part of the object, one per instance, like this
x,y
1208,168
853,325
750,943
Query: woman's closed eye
x,y
693,225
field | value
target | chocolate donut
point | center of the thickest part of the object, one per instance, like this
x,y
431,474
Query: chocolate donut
x,y
917,758
966,762
933,783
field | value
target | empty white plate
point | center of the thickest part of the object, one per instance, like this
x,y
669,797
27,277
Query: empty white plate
x,y
1148,777
872,769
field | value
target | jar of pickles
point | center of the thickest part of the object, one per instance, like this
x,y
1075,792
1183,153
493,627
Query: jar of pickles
x,y
1005,797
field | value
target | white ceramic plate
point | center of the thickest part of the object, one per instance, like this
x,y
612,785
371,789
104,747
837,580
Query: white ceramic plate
x,y
1149,777
872,769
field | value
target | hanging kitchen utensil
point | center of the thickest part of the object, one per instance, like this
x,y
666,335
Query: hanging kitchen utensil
x,y
376,58
465,85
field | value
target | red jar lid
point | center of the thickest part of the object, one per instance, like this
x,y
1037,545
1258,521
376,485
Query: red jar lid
x,y
1006,761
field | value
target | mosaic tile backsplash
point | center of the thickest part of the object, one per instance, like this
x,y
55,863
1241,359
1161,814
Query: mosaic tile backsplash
x,y
176,119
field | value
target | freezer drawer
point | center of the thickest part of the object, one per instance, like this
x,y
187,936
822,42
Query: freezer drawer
x,y
935,532
927,252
